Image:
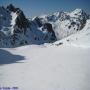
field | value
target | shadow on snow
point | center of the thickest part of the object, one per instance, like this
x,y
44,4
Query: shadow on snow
x,y
9,58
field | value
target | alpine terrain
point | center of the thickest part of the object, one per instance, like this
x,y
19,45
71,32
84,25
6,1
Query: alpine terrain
x,y
47,52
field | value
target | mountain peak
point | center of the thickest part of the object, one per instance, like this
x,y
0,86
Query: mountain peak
x,y
12,8
78,12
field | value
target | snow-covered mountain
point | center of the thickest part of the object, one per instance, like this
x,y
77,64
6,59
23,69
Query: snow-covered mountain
x,y
79,39
13,25
17,30
65,23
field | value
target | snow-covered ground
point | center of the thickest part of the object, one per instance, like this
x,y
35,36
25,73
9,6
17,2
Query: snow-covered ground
x,y
45,67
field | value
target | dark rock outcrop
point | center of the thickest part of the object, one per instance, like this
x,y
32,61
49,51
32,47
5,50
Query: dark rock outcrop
x,y
49,28
21,20
37,20
11,8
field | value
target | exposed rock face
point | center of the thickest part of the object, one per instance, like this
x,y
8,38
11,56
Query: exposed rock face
x,y
11,8
21,21
49,28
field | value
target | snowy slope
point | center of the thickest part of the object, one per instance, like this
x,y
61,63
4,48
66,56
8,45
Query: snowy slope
x,y
80,39
46,68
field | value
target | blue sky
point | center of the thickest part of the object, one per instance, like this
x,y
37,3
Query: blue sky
x,y
37,7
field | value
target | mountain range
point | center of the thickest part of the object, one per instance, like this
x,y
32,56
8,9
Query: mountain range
x,y
17,30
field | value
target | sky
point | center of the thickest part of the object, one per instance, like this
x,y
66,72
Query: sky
x,y
33,8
